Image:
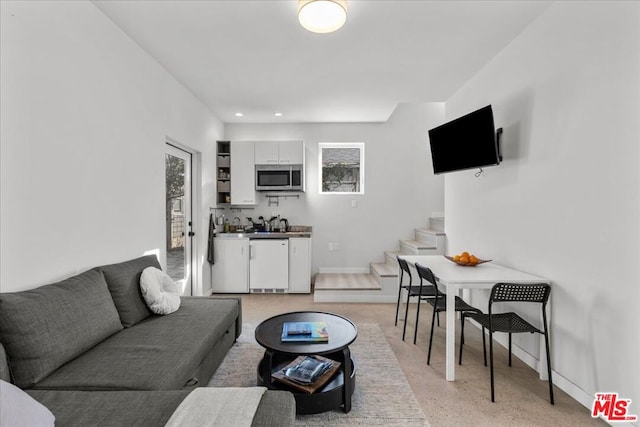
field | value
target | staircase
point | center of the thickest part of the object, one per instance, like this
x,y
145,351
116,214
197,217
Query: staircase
x,y
380,284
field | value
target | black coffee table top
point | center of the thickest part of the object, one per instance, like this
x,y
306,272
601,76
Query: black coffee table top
x,y
342,332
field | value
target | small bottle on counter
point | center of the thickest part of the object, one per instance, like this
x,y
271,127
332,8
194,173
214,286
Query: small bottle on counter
x,y
226,225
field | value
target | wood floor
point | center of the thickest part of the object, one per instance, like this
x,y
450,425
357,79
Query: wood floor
x,y
521,398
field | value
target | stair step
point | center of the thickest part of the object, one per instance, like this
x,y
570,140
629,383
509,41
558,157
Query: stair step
x,y
384,269
431,231
346,281
417,244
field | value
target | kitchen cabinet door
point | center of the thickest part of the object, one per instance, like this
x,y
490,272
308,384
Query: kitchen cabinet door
x,y
299,265
266,153
243,187
291,152
230,272
269,264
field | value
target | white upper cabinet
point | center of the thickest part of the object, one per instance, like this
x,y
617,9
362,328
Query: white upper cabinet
x,y
266,153
243,186
291,152
279,152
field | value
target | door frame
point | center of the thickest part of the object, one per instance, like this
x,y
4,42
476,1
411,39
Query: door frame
x,y
194,166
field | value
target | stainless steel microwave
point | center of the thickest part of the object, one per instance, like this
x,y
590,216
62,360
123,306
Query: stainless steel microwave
x,y
279,177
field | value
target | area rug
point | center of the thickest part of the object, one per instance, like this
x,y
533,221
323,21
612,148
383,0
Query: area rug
x,y
382,397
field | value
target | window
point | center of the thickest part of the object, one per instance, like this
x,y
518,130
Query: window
x,y
341,167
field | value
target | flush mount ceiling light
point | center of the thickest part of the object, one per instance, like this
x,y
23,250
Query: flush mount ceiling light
x,y
322,16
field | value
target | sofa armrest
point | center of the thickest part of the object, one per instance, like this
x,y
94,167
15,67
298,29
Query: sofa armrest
x,y
5,372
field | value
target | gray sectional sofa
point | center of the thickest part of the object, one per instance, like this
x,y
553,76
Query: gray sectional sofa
x,y
89,349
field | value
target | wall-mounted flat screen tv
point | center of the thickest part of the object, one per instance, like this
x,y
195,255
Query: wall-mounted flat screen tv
x,y
467,142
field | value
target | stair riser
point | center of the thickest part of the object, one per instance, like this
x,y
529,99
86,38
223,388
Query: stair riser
x,y
436,223
390,258
426,237
386,274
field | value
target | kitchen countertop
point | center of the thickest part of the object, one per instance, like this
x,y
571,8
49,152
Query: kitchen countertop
x,y
262,235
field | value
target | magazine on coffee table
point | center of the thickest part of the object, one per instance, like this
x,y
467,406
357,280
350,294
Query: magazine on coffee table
x,y
309,332
307,373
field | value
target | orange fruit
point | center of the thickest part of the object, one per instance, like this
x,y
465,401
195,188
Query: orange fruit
x,y
464,259
456,258
464,254
473,259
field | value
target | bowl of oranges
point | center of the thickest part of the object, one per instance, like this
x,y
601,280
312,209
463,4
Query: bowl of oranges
x,y
466,259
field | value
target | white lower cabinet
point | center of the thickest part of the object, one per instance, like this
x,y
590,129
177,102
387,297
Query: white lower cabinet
x,y
275,265
269,264
230,273
299,265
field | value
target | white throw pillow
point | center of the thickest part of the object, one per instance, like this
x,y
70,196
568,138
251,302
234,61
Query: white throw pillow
x,y
159,291
17,408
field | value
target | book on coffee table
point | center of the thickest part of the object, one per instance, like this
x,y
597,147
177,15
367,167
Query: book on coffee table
x,y
307,373
305,332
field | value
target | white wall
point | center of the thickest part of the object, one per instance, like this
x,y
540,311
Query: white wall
x,y
565,204
85,115
401,191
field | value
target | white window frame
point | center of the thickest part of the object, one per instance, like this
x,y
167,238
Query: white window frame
x,y
359,145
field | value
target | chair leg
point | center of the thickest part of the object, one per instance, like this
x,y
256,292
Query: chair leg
x,y
406,315
398,304
484,347
415,329
491,365
431,335
546,342
509,348
438,319
461,337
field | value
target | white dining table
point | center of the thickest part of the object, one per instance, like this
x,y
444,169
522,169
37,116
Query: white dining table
x,y
452,278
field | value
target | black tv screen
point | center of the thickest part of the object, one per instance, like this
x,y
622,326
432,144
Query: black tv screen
x,y
467,142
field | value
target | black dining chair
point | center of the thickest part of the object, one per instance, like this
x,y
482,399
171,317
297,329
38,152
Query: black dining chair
x,y
439,303
512,323
412,291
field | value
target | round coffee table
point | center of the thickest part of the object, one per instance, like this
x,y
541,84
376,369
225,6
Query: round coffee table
x,y
342,332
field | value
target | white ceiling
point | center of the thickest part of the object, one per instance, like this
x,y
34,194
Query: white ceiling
x,y
254,57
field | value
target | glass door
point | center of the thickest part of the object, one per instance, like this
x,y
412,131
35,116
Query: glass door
x,y
178,226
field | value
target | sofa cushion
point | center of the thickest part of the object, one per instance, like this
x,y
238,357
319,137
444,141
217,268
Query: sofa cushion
x,y
43,328
123,279
147,408
17,408
110,408
159,353
159,291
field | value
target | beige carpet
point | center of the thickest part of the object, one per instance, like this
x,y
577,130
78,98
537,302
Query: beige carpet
x,y
382,397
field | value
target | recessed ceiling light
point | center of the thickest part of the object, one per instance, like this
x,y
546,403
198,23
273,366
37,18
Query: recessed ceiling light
x,y
322,16
278,114
239,114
